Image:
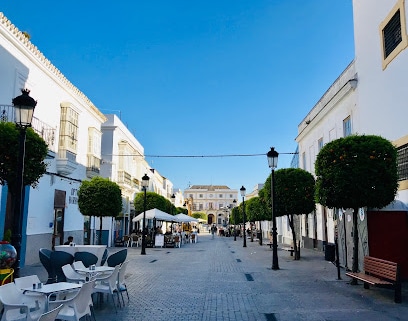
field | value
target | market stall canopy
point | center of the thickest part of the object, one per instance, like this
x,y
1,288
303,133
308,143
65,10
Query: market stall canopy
x,y
157,214
185,218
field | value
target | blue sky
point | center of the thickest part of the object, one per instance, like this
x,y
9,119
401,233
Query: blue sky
x,y
225,77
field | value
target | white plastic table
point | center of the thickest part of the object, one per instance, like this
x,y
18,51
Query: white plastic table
x,y
53,288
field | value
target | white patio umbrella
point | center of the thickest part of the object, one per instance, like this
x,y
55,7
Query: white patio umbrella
x,y
158,215
185,218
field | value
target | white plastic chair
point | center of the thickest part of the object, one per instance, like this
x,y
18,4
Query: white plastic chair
x,y
108,285
72,275
134,239
18,306
26,281
78,265
50,315
78,306
121,285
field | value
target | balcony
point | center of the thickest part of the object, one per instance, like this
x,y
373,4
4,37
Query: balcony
x,y
66,162
93,167
124,178
92,171
44,130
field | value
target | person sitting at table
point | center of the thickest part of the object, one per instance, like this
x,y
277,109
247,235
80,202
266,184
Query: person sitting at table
x,y
70,240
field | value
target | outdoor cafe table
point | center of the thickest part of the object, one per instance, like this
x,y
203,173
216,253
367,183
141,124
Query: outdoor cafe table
x,y
94,249
53,288
98,269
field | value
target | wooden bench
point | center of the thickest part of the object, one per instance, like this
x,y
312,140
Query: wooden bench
x,y
290,249
380,273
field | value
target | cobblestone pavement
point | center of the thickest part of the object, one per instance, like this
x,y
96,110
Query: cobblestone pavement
x,y
221,280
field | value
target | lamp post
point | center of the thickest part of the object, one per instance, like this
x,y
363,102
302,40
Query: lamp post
x,y
173,197
235,218
145,184
242,189
24,109
273,163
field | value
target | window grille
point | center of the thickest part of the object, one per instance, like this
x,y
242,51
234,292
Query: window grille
x,y
392,34
402,162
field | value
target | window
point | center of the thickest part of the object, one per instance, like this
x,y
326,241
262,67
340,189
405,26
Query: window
x,y
220,206
231,196
125,159
393,33
200,207
68,139
304,160
210,206
402,162
220,195
200,195
320,144
94,150
347,127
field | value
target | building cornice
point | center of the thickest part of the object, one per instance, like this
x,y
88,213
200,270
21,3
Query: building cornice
x,y
21,42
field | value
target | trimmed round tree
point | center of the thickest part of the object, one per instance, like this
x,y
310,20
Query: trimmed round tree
x,y
34,165
35,152
294,191
356,171
257,210
100,197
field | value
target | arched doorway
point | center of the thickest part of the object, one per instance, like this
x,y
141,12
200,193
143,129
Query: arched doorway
x,y
211,219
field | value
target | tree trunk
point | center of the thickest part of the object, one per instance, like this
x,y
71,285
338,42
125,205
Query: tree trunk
x,y
355,244
100,231
295,248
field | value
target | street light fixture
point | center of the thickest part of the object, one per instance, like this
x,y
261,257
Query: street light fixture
x,y
24,109
243,190
173,197
145,184
273,163
235,218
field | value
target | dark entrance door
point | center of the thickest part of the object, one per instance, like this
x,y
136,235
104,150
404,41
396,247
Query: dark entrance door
x,y
59,209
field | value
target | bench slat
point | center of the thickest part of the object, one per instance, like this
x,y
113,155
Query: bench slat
x,y
368,278
380,272
381,268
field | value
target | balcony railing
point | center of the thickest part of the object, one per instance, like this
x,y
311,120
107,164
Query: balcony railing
x,y
124,178
42,129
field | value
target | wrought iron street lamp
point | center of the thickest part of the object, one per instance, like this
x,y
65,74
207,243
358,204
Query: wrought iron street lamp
x,y
145,185
173,197
243,190
235,218
273,163
24,109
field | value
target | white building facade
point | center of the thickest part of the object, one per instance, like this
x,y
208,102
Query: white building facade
x,y
367,98
82,143
70,124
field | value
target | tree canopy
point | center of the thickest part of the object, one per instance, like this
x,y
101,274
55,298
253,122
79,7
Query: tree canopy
x,y
257,210
153,200
354,172
294,192
35,152
99,197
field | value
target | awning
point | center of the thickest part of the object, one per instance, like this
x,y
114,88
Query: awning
x,y
185,218
157,214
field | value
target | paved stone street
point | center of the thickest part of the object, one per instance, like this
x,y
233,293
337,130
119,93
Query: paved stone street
x,y
220,280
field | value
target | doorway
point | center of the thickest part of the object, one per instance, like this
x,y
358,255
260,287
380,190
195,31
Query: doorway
x,y
59,211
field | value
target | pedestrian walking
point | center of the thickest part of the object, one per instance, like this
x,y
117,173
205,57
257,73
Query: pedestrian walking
x,y
213,231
